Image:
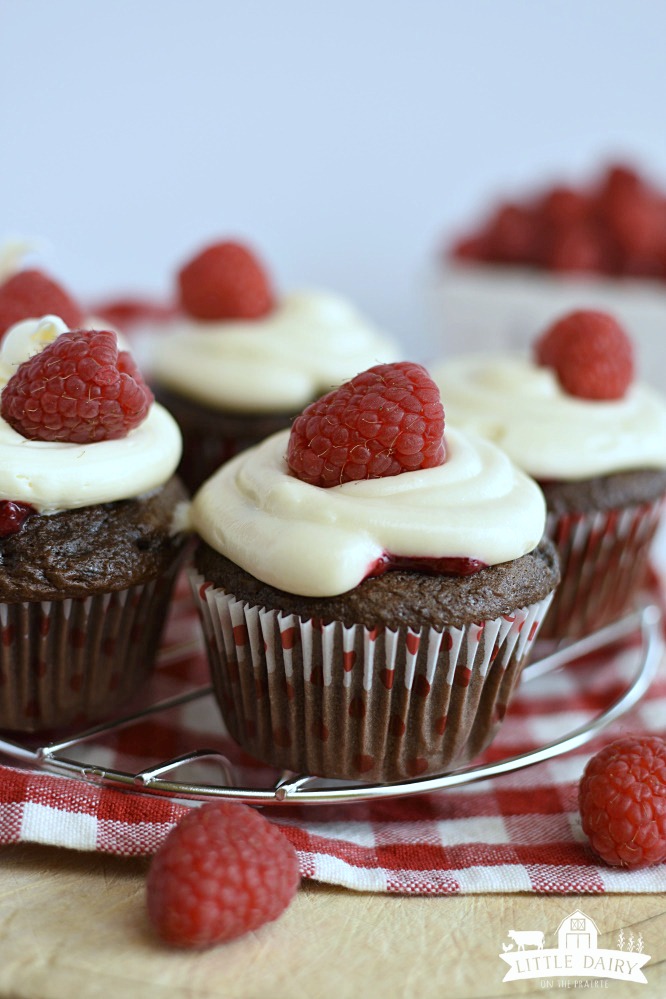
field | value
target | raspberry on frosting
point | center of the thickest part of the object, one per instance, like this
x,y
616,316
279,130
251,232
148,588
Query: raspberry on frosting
x,y
225,281
591,354
30,294
79,389
387,420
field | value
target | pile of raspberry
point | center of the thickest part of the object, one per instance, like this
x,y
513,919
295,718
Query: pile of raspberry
x,y
615,226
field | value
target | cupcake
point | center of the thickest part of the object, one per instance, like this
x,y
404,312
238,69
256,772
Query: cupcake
x,y
369,587
88,543
239,361
573,417
602,244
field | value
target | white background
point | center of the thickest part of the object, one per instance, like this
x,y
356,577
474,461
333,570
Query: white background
x,y
344,139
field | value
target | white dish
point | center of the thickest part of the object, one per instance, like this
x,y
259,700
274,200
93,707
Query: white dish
x,y
477,307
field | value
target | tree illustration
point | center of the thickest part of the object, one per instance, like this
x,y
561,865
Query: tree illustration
x,y
639,943
620,940
630,945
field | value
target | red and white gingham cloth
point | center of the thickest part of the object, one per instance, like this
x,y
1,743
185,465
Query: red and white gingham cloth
x,y
515,833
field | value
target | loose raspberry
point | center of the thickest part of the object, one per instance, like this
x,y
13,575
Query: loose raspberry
x,y
591,354
225,281
31,295
386,420
622,801
13,516
78,389
222,871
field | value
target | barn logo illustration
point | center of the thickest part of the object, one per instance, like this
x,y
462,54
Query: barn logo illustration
x,y
576,955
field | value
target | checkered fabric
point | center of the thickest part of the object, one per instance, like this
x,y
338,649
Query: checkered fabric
x,y
515,833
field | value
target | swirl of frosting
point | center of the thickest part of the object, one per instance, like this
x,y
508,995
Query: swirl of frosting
x,y
311,342
322,542
53,476
521,407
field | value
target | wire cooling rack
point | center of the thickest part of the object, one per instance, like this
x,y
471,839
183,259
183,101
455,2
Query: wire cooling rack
x,y
290,788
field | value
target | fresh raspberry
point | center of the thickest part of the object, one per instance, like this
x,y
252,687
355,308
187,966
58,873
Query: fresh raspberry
x,y
636,224
31,295
13,516
619,182
386,420
591,354
469,248
225,281
512,234
622,801
563,206
222,871
78,389
574,249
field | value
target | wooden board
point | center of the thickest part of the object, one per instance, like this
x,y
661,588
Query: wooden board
x,y
74,925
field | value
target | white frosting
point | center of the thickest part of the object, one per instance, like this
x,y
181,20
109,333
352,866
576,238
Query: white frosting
x,y
520,406
53,476
309,344
321,542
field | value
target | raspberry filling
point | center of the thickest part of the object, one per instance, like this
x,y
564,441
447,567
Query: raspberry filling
x,y
13,516
446,566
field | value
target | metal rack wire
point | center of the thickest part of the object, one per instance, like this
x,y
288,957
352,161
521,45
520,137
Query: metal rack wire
x,y
304,789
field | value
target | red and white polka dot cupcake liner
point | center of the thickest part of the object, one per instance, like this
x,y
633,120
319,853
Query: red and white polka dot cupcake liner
x,y
353,703
69,663
603,560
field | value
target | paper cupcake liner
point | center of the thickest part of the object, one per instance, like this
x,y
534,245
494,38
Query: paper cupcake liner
x,y
72,662
603,561
353,703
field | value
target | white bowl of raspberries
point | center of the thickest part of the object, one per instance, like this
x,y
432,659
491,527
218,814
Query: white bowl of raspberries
x,y
601,245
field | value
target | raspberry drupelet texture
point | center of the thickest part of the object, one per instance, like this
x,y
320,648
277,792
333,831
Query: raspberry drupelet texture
x,y
622,801
31,294
222,871
387,420
79,389
591,354
225,281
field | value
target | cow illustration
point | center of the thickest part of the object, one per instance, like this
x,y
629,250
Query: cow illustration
x,y
527,938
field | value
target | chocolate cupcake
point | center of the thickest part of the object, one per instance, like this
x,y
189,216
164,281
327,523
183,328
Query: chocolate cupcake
x,y
368,606
88,541
238,362
576,420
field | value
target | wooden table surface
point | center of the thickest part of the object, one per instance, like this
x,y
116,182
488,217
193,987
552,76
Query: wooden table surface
x,y
74,925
